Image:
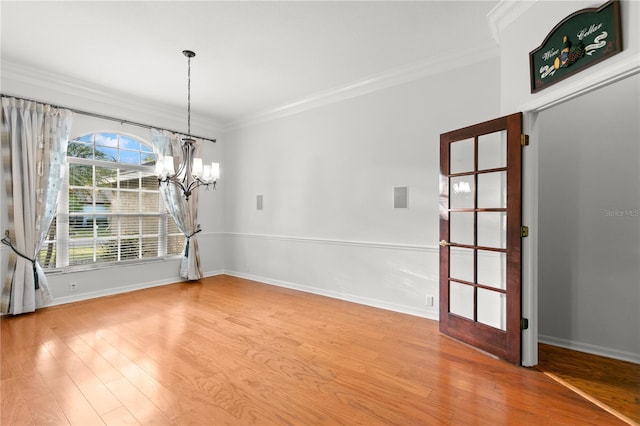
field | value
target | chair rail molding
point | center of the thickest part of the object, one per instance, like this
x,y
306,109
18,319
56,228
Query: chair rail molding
x,y
313,240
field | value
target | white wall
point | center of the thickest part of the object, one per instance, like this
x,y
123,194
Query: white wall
x,y
327,175
589,213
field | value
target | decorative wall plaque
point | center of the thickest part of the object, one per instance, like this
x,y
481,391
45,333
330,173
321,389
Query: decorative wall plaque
x,y
582,39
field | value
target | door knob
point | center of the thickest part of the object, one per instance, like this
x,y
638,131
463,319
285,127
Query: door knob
x,y
444,243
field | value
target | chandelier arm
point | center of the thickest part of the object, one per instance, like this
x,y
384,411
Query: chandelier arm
x,y
175,181
187,152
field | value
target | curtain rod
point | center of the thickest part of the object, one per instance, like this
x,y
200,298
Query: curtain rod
x,y
106,117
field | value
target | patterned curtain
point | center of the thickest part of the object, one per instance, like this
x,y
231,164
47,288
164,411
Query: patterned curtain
x,y
184,213
34,151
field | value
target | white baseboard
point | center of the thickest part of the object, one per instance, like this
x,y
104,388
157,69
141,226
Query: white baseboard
x,y
591,349
107,292
119,290
213,273
423,313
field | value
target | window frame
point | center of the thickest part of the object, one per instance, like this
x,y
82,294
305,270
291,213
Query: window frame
x,y
61,243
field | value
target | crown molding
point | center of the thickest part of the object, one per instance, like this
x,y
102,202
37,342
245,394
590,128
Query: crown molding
x,y
46,86
504,13
394,77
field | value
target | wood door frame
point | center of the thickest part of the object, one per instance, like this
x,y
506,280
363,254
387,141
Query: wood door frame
x,y
507,344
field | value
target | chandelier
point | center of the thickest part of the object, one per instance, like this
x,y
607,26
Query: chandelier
x,y
191,174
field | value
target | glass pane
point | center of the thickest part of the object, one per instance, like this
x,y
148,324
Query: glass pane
x,y
107,251
79,150
492,229
461,190
145,148
80,226
150,247
130,225
131,180
150,183
461,263
47,254
492,190
492,269
106,139
128,143
80,251
129,157
106,177
173,226
461,156
150,202
78,197
85,138
492,308
175,244
461,227
106,154
80,175
148,159
150,225
461,300
129,202
105,196
129,248
492,150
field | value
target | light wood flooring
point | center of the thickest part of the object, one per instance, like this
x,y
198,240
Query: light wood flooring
x,y
612,384
232,351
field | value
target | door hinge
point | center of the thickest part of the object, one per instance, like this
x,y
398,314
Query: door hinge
x,y
524,140
524,231
524,323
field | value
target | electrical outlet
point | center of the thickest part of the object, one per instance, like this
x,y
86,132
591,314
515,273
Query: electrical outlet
x,y
428,300
73,286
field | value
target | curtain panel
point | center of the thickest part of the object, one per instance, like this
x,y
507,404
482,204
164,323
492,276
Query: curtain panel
x,y
184,213
34,150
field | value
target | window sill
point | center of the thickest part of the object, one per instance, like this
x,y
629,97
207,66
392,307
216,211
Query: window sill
x,y
107,265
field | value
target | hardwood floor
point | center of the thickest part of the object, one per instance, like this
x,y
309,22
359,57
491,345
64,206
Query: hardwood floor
x,y
612,384
232,351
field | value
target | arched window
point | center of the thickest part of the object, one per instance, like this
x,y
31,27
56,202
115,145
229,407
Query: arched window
x,y
110,208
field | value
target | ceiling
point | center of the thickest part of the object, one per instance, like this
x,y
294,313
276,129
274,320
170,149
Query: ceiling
x,y
250,56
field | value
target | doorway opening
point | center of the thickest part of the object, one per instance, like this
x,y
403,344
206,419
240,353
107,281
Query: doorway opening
x,y
588,208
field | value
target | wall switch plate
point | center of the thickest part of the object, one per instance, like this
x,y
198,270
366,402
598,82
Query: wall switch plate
x,y
428,300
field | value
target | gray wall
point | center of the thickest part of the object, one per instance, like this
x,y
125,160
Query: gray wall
x,y
589,219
